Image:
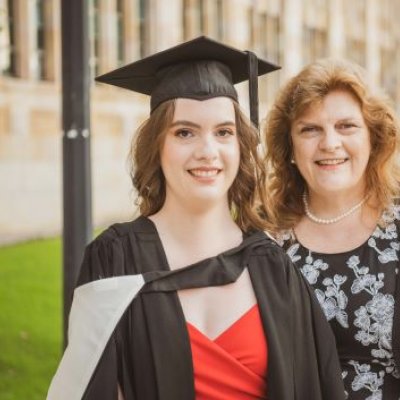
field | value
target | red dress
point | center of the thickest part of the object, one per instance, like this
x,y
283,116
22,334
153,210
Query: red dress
x,y
234,365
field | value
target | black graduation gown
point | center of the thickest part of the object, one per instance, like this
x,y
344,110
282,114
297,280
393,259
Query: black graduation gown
x,y
149,353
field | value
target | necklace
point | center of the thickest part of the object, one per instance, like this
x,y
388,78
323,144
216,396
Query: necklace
x,y
327,221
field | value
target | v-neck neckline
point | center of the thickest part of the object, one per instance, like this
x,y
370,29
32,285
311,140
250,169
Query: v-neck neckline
x,y
227,330
153,229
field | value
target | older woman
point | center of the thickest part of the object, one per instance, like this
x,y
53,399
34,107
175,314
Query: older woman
x,y
333,153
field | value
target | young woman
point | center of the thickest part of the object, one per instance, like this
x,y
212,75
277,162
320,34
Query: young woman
x,y
220,311
333,154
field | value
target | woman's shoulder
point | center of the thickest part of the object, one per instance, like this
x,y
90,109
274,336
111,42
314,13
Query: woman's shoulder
x,y
264,239
272,265
113,252
119,231
272,248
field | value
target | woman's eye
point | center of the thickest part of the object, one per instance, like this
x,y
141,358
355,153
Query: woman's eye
x,y
346,125
224,132
306,129
183,133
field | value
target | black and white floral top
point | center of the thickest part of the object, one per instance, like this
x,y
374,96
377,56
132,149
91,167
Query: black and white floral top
x,y
356,292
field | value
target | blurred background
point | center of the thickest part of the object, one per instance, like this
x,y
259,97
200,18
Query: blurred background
x,y
291,33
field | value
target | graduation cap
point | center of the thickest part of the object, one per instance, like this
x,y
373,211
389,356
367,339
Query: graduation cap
x,y
199,69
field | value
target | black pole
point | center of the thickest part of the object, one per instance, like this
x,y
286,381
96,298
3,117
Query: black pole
x,y
77,228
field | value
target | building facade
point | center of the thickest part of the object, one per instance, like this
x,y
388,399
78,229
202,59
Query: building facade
x,y
288,32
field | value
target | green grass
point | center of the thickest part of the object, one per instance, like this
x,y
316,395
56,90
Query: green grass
x,y
30,318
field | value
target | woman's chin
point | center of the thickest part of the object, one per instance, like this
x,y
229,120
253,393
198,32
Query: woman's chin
x,y
329,188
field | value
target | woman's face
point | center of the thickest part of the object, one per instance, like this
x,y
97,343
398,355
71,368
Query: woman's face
x,y
331,145
200,155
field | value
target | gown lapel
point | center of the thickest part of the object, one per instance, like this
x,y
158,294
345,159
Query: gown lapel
x,y
275,316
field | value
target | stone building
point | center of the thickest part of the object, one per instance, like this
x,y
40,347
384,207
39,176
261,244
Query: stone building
x,y
289,32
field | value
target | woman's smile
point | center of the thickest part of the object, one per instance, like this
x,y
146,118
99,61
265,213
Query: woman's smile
x,y
204,172
331,161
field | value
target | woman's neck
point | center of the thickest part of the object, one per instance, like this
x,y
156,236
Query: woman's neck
x,y
189,236
187,225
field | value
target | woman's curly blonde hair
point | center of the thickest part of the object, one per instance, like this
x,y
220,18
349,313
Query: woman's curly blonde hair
x,y
148,179
285,185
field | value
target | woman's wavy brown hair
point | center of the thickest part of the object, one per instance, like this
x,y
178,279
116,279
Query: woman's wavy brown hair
x,y
148,178
285,185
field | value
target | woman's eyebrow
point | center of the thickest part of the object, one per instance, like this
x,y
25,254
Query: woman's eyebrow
x,y
226,123
186,123
194,125
306,123
349,119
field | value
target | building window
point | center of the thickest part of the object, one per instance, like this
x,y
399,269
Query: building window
x,y
220,19
390,59
315,44
201,15
120,32
389,70
315,35
251,23
356,51
144,27
355,23
7,38
186,19
94,37
40,51
193,18
210,18
270,48
271,38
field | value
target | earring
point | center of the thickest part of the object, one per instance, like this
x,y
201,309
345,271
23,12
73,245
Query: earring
x,y
292,161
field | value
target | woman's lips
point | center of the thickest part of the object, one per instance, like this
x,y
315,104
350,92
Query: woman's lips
x,y
204,172
331,161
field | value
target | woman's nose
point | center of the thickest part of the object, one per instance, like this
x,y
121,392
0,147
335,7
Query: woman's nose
x,y
207,147
330,140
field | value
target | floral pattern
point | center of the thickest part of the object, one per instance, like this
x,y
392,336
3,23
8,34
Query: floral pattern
x,y
334,301
365,379
311,268
356,292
